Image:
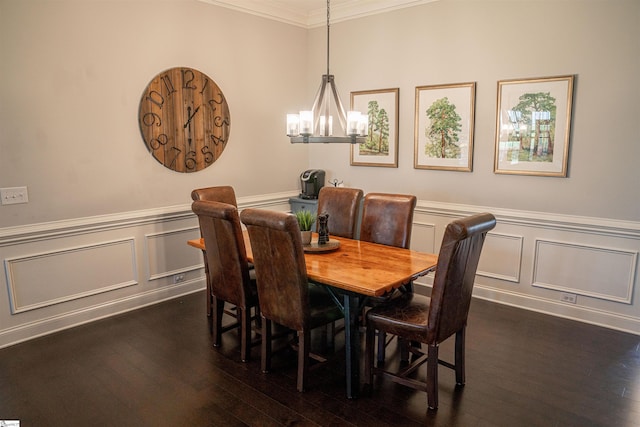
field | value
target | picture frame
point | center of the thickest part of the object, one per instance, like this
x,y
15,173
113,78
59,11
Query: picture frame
x,y
444,144
533,126
381,146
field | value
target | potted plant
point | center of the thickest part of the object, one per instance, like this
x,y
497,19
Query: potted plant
x,y
305,221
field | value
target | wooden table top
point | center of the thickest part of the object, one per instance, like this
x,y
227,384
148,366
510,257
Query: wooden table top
x,y
365,268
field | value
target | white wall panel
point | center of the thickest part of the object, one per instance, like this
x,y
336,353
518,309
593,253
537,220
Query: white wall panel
x,y
423,237
165,254
531,259
38,280
62,274
65,273
501,257
586,270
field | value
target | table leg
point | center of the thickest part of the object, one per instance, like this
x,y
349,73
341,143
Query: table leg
x,y
352,343
206,276
351,306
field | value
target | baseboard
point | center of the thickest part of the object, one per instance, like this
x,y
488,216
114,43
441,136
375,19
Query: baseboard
x,y
550,307
46,326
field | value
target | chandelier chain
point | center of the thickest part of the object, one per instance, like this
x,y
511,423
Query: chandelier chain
x,y
328,44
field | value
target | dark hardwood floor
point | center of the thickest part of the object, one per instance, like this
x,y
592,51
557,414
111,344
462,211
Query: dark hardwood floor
x,y
156,367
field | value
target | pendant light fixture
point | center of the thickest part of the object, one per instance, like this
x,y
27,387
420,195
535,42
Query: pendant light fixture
x,y
353,125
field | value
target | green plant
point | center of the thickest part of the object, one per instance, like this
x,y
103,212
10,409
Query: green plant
x,y
305,219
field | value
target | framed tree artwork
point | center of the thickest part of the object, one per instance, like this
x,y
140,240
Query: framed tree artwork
x,y
444,124
381,145
533,123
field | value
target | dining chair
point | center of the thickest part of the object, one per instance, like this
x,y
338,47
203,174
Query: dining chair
x,y
228,278
418,319
285,295
387,219
222,194
343,205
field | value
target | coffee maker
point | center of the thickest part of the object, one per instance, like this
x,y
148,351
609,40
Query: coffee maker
x,y
311,181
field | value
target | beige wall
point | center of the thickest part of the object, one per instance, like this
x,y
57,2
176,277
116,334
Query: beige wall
x,y
73,73
453,41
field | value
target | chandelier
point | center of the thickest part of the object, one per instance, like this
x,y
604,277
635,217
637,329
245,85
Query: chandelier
x,y
353,125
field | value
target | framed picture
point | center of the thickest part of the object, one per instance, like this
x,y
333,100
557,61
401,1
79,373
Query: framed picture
x,y
381,145
533,123
444,122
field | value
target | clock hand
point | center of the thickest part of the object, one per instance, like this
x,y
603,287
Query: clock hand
x,y
190,116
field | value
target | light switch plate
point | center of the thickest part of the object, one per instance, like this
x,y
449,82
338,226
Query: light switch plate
x,y
13,195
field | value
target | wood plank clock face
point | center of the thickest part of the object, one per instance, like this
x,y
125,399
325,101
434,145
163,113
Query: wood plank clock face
x,y
184,119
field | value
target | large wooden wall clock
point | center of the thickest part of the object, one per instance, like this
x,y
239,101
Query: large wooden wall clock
x,y
184,119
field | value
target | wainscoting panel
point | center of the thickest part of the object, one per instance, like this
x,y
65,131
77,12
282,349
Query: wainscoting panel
x,y
166,255
65,273
423,237
501,257
583,270
38,280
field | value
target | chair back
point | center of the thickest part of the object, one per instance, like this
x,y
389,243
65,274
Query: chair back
x,y
222,194
281,272
342,204
387,219
226,254
455,273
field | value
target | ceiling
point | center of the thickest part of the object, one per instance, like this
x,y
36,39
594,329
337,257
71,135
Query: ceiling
x,y
313,13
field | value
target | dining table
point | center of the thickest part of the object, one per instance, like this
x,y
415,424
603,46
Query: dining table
x,y
353,271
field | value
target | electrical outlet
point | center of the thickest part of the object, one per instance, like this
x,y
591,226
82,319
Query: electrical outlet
x,y
177,278
13,195
567,297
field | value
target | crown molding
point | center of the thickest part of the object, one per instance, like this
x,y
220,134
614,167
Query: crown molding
x,y
307,14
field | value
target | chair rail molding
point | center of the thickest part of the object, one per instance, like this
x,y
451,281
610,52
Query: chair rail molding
x,y
53,229
582,268
537,219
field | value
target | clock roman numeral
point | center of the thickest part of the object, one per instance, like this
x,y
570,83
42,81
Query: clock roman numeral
x,y
156,98
168,84
187,79
204,86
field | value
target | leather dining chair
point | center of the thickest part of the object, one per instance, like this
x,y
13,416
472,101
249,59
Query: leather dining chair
x,y
222,194
418,319
387,219
229,280
343,205
285,295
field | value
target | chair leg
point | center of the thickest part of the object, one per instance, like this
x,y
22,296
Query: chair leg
x,y
460,356
244,316
369,356
382,346
324,336
432,376
331,336
258,318
210,314
304,342
403,344
266,345
217,307
209,296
